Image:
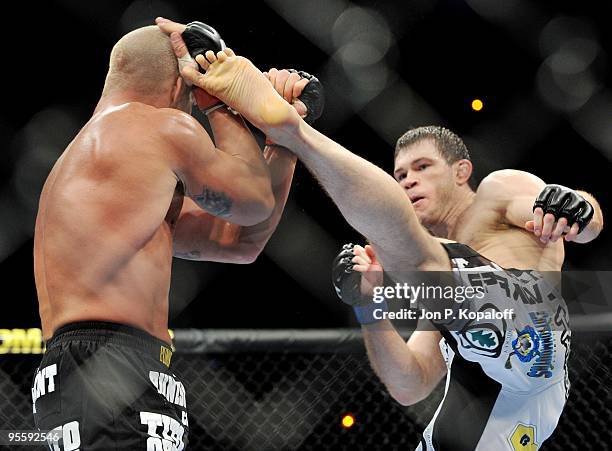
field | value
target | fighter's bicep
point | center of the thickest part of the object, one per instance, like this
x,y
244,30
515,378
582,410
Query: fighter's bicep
x,y
215,180
519,211
510,193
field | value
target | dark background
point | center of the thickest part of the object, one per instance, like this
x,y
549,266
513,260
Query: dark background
x,y
541,68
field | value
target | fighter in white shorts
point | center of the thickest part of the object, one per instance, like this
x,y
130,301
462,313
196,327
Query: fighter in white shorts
x,y
507,378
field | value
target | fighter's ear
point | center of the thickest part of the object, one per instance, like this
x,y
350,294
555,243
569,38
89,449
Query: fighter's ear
x,y
463,171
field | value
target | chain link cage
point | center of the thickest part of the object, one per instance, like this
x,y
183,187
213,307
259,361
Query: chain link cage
x,y
289,390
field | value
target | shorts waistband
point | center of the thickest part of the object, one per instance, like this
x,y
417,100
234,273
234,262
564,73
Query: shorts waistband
x,y
120,334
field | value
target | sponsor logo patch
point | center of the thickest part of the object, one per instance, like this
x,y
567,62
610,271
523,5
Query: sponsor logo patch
x,y
523,438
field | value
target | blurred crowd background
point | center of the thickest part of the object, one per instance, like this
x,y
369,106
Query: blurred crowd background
x,y
541,70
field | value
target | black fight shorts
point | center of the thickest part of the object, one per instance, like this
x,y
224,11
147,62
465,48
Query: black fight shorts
x,y
105,386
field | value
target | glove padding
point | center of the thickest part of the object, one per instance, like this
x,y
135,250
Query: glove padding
x,y
564,202
313,96
199,38
346,281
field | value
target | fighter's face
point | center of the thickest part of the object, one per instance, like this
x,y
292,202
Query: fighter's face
x,y
427,180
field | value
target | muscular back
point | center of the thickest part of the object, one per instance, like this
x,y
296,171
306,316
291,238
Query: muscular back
x,y
103,238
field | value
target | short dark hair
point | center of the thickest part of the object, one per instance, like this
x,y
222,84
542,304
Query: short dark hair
x,y
450,146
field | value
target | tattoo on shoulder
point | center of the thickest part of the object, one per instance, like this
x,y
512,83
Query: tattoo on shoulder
x,y
215,202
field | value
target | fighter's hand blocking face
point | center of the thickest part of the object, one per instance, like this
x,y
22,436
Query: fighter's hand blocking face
x,y
559,210
202,42
189,41
200,38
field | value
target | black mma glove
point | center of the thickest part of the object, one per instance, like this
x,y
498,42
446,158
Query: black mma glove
x,y
347,284
563,202
312,96
199,38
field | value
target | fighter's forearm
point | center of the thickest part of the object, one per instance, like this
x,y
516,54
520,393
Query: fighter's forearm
x,y
201,236
593,228
368,198
281,164
232,136
394,363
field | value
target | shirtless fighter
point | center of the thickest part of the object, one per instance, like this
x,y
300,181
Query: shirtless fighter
x,y
375,205
142,181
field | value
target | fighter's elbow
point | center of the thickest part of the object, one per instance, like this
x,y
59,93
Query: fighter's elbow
x,y
419,388
405,397
266,205
256,212
247,255
244,259
256,207
261,202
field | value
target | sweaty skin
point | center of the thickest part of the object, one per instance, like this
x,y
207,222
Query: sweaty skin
x,y
140,183
103,238
137,185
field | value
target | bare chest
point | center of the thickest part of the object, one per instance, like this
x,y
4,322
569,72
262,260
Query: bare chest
x,y
507,245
